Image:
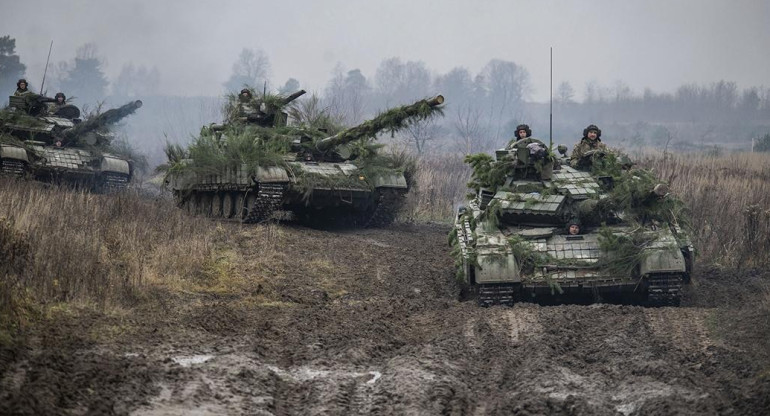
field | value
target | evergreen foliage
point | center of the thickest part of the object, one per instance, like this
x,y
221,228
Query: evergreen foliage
x,y
624,251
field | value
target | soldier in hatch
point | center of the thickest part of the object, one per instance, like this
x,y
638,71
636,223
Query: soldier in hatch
x,y
60,100
21,88
523,137
524,140
591,141
246,109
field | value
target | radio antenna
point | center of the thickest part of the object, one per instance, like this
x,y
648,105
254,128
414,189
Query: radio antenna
x,y
46,68
550,117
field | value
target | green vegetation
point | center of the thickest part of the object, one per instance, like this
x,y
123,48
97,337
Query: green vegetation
x,y
623,251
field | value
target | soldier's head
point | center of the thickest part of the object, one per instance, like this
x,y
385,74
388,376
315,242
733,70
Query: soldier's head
x,y
592,132
60,98
21,84
573,227
523,131
245,94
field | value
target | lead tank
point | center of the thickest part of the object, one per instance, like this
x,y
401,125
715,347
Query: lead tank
x,y
50,143
256,164
512,239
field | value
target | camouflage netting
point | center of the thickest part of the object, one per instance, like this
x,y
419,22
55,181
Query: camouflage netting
x,y
240,144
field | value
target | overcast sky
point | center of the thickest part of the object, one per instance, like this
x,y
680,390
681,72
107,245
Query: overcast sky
x,y
646,43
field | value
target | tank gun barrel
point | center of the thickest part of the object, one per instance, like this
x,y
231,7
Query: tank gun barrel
x,y
292,97
392,119
111,116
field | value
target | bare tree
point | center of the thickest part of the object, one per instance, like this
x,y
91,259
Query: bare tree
x,y
251,69
565,93
469,129
421,134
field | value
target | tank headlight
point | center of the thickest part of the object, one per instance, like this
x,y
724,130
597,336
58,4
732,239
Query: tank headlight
x,y
361,177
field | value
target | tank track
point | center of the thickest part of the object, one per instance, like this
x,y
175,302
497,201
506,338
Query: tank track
x,y
12,167
498,294
664,289
113,182
269,198
386,210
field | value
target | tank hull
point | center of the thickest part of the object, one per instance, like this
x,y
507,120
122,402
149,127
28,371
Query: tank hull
x,y
308,189
64,165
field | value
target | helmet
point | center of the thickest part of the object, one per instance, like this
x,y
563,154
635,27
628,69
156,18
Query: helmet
x,y
524,127
245,91
18,83
60,94
592,127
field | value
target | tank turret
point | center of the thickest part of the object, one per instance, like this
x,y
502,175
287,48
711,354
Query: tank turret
x,y
382,122
110,116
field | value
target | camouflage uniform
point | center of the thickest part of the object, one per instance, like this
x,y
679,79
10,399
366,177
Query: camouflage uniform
x,y
586,145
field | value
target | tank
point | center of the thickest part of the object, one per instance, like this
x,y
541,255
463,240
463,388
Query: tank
x,y
512,240
51,143
256,164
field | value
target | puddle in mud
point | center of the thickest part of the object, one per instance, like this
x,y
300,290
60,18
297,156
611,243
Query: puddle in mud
x,y
307,373
375,376
186,361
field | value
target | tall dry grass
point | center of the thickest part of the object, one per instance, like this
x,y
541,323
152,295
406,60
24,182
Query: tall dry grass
x,y
440,188
74,246
729,199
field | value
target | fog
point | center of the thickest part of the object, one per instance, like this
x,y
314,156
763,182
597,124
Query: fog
x,y
659,44
684,74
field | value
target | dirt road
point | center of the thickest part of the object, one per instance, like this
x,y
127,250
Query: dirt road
x,y
368,321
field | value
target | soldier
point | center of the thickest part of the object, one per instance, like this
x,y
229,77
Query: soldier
x,y
21,88
245,109
591,141
523,137
59,101
573,227
60,98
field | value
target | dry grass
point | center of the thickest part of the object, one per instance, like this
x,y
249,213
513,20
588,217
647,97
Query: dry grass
x,y
93,249
729,197
440,188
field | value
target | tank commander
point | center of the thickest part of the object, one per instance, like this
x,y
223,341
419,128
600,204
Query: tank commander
x,y
21,88
591,141
59,101
524,139
246,110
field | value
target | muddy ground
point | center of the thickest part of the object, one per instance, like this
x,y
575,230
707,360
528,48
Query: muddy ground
x,y
368,321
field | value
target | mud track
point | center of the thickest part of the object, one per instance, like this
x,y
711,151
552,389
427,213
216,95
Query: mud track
x,y
369,322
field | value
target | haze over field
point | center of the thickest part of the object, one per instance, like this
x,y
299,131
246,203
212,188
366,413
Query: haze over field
x,y
658,44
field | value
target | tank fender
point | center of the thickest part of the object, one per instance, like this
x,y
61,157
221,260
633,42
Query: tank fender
x,y
13,152
271,174
663,260
495,259
395,180
497,268
112,164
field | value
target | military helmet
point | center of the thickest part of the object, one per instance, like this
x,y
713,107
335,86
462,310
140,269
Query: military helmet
x,y
592,127
60,94
18,83
524,127
245,91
